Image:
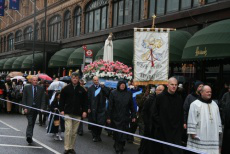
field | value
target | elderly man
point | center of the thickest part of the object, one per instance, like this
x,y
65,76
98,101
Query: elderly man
x,y
168,118
72,104
204,124
33,96
97,107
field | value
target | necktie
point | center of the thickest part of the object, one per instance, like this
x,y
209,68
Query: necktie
x,y
35,95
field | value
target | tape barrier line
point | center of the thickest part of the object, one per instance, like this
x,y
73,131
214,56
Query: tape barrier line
x,y
105,127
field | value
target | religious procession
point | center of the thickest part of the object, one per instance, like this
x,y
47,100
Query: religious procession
x,y
115,76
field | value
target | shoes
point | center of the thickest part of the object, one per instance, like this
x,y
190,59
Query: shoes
x,y
59,137
95,139
80,133
72,151
67,152
29,140
99,139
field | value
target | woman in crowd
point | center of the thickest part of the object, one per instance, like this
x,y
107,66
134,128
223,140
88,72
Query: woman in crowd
x,y
56,127
119,112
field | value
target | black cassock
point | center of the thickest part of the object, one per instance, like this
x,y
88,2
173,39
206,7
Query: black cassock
x,y
226,135
168,120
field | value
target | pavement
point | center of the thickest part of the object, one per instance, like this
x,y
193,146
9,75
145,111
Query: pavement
x,y
13,141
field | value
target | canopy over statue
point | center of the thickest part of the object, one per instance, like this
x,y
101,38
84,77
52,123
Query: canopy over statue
x,y
108,49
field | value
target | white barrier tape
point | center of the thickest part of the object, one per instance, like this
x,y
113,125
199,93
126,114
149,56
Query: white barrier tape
x,y
117,130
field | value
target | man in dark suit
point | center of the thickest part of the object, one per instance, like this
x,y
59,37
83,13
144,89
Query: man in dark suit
x,y
33,96
97,107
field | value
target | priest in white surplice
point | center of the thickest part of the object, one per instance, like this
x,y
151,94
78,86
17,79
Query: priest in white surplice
x,y
204,124
108,49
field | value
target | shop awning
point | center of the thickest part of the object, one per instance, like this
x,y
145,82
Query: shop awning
x,y
17,64
122,51
8,63
38,61
76,58
60,58
178,40
212,42
2,62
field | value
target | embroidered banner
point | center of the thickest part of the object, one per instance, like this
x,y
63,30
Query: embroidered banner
x,y
151,56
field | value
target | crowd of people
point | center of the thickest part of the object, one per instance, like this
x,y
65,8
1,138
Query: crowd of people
x,y
162,112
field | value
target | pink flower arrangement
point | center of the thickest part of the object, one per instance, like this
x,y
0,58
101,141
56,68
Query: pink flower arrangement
x,y
102,69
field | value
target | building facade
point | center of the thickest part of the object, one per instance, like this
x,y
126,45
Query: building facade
x,y
73,23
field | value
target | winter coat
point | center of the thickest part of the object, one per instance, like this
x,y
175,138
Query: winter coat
x,y
73,101
97,104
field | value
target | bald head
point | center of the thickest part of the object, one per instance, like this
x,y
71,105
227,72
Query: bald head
x,y
34,80
95,80
206,92
172,85
159,89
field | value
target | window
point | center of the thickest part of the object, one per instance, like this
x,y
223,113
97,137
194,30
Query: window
x,y
96,17
36,31
172,6
77,21
43,33
186,4
127,11
18,36
66,24
28,33
152,5
10,42
160,7
54,30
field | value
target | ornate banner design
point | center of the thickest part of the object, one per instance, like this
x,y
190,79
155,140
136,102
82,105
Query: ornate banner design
x,y
151,56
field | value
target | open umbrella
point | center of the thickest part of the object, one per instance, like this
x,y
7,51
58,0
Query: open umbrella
x,y
65,78
13,74
57,85
44,77
18,78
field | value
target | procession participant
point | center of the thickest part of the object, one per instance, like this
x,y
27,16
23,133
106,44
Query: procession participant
x,y
72,104
119,112
168,118
204,123
33,96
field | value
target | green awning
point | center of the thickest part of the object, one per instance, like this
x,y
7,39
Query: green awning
x,y
38,61
60,58
76,58
122,51
8,63
178,40
18,62
212,42
2,62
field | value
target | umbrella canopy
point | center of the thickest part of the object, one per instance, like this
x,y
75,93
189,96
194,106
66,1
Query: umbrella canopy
x,y
17,64
45,77
13,74
8,63
122,51
38,61
60,58
18,78
2,62
65,78
76,58
212,42
57,85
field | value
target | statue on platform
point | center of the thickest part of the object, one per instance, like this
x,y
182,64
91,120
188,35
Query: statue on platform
x,y
108,49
